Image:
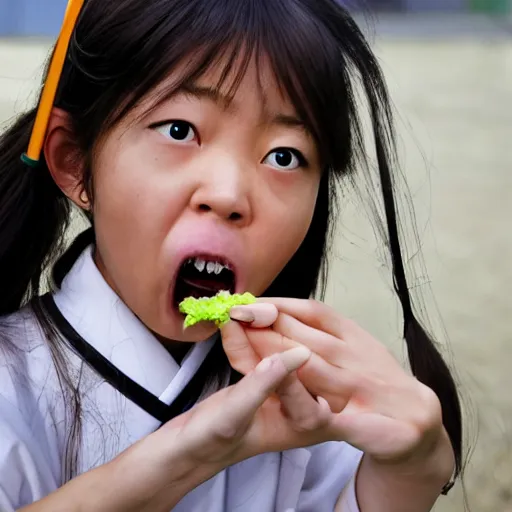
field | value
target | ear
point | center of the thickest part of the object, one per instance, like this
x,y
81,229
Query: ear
x,y
64,158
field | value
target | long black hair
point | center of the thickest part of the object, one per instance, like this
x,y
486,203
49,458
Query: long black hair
x,y
120,51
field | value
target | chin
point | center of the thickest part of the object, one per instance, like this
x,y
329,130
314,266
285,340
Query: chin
x,y
195,334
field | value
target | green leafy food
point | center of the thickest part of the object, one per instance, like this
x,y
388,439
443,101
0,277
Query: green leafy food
x,y
213,309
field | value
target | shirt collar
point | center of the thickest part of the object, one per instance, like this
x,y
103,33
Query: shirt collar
x,y
98,314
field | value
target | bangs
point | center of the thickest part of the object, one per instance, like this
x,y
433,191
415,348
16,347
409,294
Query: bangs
x,y
157,37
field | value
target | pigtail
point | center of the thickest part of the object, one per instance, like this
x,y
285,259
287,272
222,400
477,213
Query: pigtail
x,y
33,217
426,362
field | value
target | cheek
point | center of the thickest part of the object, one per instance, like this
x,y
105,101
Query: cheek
x,y
283,230
134,200
294,209
132,215
121,209
293,230
129,216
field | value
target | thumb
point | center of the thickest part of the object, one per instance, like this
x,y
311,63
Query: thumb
x,y
251,392
238,349
215,426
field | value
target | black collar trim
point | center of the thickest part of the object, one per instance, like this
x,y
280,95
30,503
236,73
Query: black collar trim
x,y
124,384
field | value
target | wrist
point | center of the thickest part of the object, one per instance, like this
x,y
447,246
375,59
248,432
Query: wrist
x,y
133,480
433,466
175,471
153,475
412,484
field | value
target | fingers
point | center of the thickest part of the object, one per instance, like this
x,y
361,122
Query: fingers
x,y
309,313
319,376
212,429
235,338
292,325
318,315
322,343
266,342
322,379
246,397
310,323
304,412
238,349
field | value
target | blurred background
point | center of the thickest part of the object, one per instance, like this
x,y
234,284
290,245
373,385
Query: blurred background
x,y
449,69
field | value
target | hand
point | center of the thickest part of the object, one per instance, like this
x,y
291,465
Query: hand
x,y
268,410
235,423
381,409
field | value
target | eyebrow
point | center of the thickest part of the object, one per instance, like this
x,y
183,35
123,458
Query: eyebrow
x,y
215,96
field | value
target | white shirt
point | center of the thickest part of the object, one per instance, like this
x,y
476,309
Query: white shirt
x,y
34,423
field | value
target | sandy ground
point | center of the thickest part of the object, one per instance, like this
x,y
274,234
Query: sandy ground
x,y
454,100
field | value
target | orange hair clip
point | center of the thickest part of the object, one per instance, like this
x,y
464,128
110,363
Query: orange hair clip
x,y
44,110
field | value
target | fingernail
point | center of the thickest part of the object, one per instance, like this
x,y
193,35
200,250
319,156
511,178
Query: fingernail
x,y
265,364
322,402
259,315
241,314
293,359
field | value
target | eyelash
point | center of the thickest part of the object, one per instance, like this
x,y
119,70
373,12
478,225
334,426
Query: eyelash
x,y
300,157
159,124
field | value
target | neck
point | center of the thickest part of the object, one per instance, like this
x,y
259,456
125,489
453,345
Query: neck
x,y
177,349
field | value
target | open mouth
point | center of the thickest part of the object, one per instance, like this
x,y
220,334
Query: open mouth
x,y
203,276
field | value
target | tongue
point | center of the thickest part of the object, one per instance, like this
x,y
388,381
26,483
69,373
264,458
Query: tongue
x,y
208,286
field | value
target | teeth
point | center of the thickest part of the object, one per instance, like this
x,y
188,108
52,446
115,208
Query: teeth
x,y
200,264
212,267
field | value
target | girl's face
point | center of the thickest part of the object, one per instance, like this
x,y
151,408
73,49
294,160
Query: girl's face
x,y
198,195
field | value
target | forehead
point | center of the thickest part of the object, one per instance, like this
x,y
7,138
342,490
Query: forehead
x,y
235,83
254,78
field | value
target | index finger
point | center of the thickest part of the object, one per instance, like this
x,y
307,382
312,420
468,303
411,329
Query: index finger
x,y
314,314
257,315
239,350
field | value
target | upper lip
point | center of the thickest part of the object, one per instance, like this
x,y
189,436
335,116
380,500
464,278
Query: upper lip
x,y
208,257
213,245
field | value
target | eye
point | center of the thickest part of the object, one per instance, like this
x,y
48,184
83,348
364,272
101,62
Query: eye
x,y
286,159
179,131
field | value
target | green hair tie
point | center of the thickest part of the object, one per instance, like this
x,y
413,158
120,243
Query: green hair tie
x,y
29,161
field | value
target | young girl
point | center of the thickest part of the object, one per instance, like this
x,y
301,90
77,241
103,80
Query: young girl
x,y
204,140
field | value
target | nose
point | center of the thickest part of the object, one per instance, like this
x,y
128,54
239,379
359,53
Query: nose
x,y
223,191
